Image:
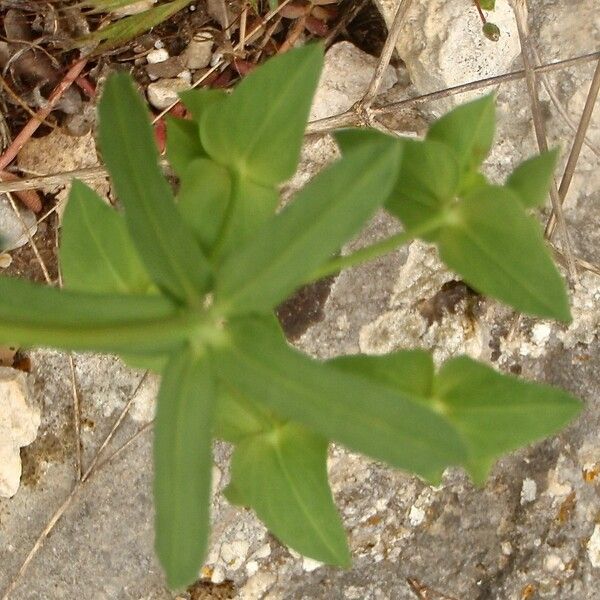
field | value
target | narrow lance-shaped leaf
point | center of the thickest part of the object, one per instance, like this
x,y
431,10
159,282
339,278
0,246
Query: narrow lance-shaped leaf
x,y
468,130
251,206
165,244
183,465
126,29
238,418
198,100
203,200
493,413
324,215
365,416
183,135
531,179
258,130
36,315
291,463
428,181
497,413
500,252
183,144
96,252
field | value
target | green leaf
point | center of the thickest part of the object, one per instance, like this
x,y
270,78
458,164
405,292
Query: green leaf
x,y
203,200
362,415
163,241
428,181
197,101
531,179
154,362
468,130
409,371
291,463
493,413
251,206
98,6
258,130
126,29
500,251
183,466
96,253
238,418
36,315
183,144
498,413
325,214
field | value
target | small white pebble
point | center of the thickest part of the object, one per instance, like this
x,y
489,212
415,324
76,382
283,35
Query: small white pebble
x,y
528,491
158,44
541,333
251,568
416,516
218,575
234,553
553,562
217,57
593,547
5,261
263,551
186,76
157,56
309,564
506,548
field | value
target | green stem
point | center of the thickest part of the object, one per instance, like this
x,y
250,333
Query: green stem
x,y
369,253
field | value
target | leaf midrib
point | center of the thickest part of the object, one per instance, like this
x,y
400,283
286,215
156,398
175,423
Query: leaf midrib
x,y
300,502
290,249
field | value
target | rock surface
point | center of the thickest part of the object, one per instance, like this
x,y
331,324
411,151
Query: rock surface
x,y
442,43
164,92
531,532
19,422
15,231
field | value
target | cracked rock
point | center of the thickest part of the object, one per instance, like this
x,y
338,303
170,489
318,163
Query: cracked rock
x,y
19,422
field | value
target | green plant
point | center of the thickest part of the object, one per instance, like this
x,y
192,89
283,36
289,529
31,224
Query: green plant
x,y
187,286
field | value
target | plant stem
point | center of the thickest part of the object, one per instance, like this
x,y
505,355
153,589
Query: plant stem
x,y
374,251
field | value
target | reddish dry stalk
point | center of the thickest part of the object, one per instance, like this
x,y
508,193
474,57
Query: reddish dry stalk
x,y
30,198
32,125
481,15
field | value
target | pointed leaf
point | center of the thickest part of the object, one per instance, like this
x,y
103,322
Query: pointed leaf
x,y
428,181
500,252
350,409
96,252
126,29
183,466
325,214
165,244
258,130
493,413
183,135
251,206
203,200
468,130
497,413
291,463
36,315
183,144
409,371
197,101
531,179
238,418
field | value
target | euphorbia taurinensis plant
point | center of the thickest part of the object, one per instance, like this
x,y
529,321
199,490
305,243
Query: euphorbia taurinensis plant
x,y
186,284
